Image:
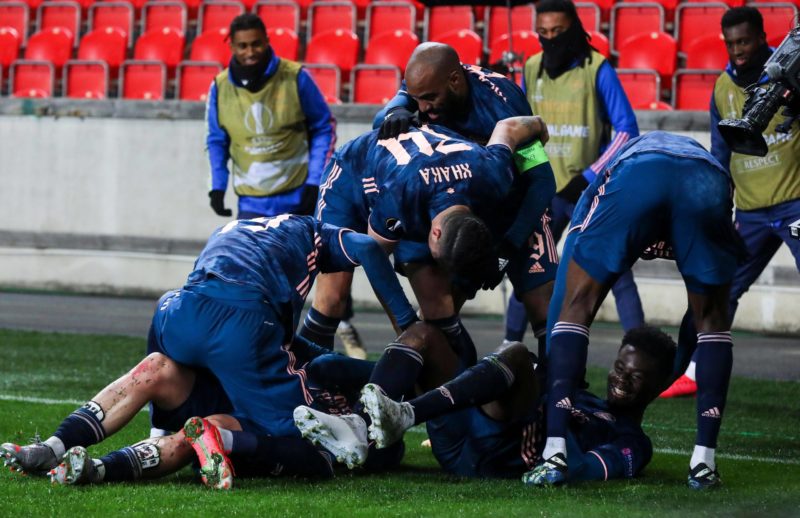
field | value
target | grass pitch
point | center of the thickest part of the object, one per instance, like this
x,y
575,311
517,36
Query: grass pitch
x,y
45,376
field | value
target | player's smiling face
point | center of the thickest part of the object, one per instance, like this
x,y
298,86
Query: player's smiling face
x,y
742,42
435,93
634,380
249,47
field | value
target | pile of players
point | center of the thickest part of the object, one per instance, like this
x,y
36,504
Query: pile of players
x,y
455,183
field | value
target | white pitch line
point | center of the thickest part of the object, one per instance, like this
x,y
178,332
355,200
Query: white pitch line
x,y
732,456
42,400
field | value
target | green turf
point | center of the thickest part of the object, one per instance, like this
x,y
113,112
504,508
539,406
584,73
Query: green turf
x,y
761,425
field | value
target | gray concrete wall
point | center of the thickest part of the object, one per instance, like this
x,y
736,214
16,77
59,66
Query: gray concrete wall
x,y
112,197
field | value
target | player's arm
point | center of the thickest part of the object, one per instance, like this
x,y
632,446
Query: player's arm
x,y
365,251
217,144
625,457
321,126
719,148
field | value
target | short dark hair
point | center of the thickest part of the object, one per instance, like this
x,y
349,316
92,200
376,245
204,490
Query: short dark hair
x,y
466,245
745,14
246,22
558,6
655,343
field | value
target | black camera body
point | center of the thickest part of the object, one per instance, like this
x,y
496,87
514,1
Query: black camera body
x,y
783,68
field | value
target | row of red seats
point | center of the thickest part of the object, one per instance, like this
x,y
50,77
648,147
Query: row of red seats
x,y
148,80
691,89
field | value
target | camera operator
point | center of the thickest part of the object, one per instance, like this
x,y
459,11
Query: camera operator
x,y
767,188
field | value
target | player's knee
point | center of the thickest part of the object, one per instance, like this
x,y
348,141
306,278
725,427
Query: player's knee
x,y
158,369
423,337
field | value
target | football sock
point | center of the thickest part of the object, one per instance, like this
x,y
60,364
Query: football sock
x,y
687,344
480,384
691,371
339,372
57,446
121,465
265,454
319,328
226,436
705,455
554,445
569,345
458,338
714,363
83,427
541,346
516,320
397,370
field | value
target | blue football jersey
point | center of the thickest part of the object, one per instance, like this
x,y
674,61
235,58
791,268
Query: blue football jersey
x,y
279,257
432,168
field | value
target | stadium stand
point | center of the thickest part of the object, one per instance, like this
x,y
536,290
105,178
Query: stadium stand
x,y
467,44
655,51
211,46
374,84
339,47
194,79
143,80
164,45
32,78
326,16
85,79
385,17
440,20
523,18
523,42
694,20
64,15
118,15
16,16
707,52
50,45
692,89
10,43
391,48
109,45
164,14
590,15
629,19
284,42
779,18
279,14
217,14
328,79
600,43
643,87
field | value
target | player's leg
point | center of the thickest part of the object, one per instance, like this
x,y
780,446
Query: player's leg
x,y
330,302
156,378
629,304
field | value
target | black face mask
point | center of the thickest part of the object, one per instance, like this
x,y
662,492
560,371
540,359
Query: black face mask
x,y
750,73
560,52
251,77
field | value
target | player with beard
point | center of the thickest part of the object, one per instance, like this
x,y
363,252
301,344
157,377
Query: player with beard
x,y
577,92
488,421
767,192
470,101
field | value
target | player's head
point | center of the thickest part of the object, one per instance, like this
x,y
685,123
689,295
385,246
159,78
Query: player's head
x,y
642,369
248,40
743,30
435,79
462,243
561,33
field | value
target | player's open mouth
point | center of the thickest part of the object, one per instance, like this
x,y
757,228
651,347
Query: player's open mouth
x,y
619,393
740,61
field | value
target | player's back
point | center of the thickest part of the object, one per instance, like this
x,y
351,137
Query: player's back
x,y
668,144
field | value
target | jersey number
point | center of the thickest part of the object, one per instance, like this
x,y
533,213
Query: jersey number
x,y
394,146
261,224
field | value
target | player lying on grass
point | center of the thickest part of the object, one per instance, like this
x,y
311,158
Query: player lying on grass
x,y
468,198
658,188
488,421
235,317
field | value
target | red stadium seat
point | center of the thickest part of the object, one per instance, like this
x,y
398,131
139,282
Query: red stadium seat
x,y
53,45
194,79
643,87
692,89
33,5
109,45
164,14
328,80
669,8
112,14
64,15
392,48
143,80
600,43
284,42
361,8
525,43
443,19
630,19
374,84
757,2
327,16
779,18
590,15
279,14
9,46
729,3
15,15
605,9
85,79
661,106
389,16
707,52
467,44
164,45
32,78
656,51
217,14
339,47
696,20
211,46
523,18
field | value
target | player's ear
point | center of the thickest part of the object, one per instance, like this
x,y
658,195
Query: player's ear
x,y
455,79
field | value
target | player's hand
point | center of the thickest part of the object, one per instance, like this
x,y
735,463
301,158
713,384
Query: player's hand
x,y
308,201
544,135
574,188
397,121
218,203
